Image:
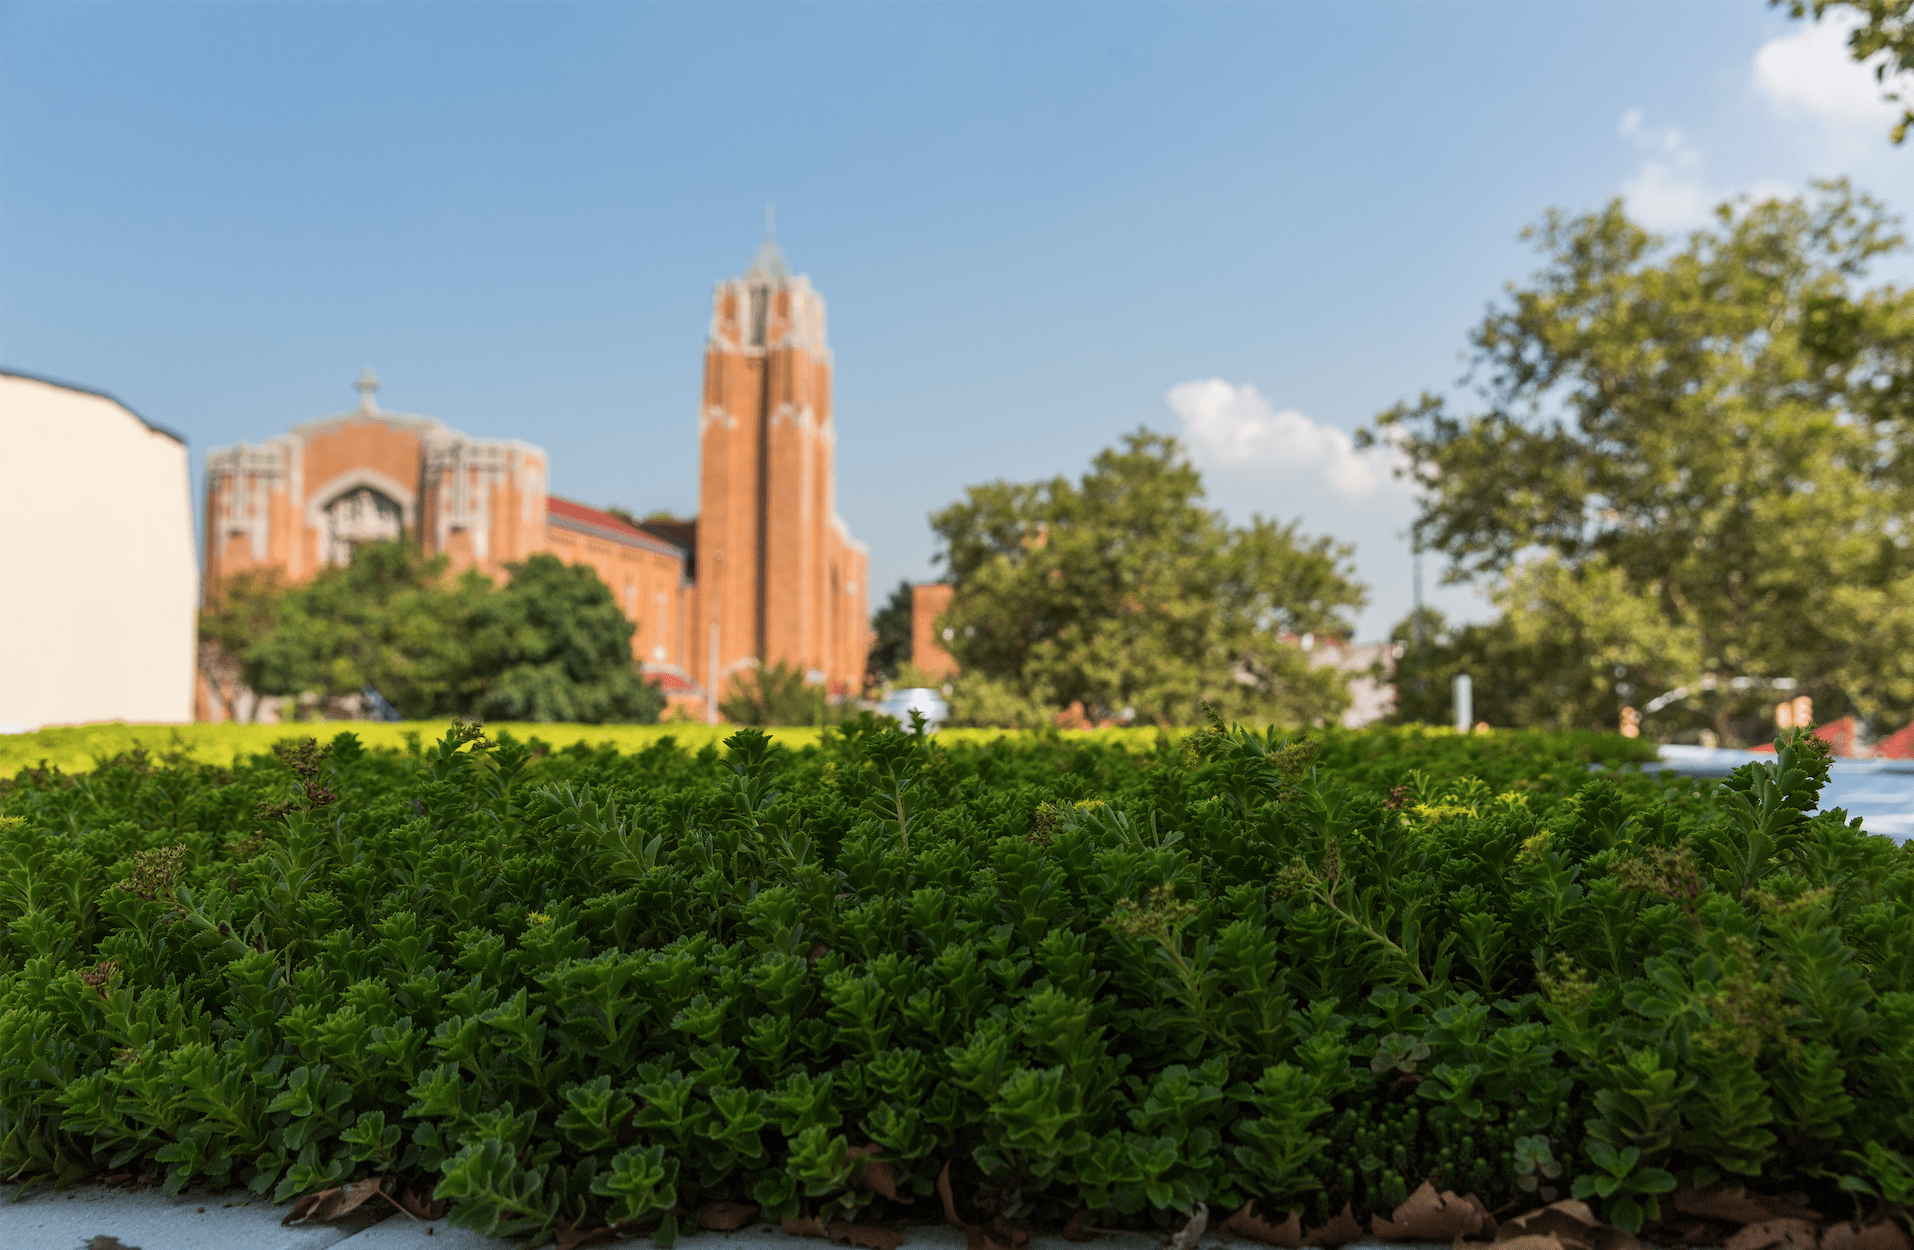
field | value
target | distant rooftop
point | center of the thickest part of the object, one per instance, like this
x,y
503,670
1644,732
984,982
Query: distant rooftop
x,y
572,515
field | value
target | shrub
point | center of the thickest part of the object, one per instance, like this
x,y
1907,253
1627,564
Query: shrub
x,y
1067,978
777,695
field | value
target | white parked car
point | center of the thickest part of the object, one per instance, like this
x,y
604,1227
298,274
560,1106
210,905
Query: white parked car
x,y
899,703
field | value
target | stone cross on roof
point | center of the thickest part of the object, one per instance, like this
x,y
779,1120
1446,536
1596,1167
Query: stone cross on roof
x,y
368,382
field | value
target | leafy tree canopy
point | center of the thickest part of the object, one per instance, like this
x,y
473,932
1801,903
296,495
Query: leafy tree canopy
x,y
891,625
386,620
1683,463
549,645
552,645
777,694
1123,591
242,610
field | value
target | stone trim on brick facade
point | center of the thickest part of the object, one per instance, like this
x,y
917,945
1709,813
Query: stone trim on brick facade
x,y
768,572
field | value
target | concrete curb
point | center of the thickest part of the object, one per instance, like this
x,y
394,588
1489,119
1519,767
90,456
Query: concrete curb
x,y
93,1217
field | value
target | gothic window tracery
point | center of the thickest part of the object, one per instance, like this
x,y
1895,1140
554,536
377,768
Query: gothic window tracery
x,y
360,515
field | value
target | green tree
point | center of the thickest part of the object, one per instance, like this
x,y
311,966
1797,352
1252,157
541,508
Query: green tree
x,y
777,695
1122,591
239,613
388,619
1706,491
1571,648
549,645
1886,26
890,650
552,645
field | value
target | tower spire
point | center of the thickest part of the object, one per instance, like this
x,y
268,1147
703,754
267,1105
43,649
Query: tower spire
x,y
768,267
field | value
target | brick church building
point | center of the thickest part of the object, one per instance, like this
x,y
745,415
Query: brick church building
x,y
765,573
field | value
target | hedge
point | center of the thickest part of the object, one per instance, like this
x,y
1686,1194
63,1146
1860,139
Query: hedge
x,y
1019,983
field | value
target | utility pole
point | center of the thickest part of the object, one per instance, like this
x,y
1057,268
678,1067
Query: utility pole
x,y
1415,611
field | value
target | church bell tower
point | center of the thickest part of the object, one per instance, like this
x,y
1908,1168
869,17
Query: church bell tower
x,y
779,578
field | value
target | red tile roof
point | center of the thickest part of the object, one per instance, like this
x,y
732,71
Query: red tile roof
x,y
577,516
1898,745
673,683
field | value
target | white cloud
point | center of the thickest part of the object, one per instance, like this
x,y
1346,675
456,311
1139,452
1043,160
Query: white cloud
x,y
1233,428
1663,138
1663,196
1259,459
1808,71
1667,193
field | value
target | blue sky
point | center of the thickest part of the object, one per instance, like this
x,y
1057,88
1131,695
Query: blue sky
x,y
1037,226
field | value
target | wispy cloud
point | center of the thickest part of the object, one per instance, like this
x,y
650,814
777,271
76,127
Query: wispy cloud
x,y
1808,72
1235,429
1668,192
1258,458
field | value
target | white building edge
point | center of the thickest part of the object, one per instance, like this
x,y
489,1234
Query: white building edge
x,y
99,575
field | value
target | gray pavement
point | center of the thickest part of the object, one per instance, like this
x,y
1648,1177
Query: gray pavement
x,y
81,1218
85,1217
93,1217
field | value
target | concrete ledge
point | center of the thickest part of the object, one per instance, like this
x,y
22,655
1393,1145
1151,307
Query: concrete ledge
x,y
85,1216
93,1217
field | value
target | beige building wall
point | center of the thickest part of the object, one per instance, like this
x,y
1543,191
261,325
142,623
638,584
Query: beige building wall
x,y
98,577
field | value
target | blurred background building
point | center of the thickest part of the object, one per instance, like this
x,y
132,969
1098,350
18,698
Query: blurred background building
x,y
96,622
766,573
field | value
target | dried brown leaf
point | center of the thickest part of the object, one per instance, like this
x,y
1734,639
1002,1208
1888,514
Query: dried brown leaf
x,y
1001,1235
1608,1237
1073,1229
1737,1206
998,1235
725,1217
1430,1216
1719,1202
1522,1241
1570,1213
332,1204
1339,1231
870,1236
877,1175
1569,1223
1787,1233
1886,1235
950,1203
1246,1223
423,1206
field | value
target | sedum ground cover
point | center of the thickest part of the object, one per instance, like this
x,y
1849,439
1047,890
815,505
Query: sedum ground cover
x,y
1102,980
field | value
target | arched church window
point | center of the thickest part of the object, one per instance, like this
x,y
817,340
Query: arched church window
x,y
760,308
360,515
